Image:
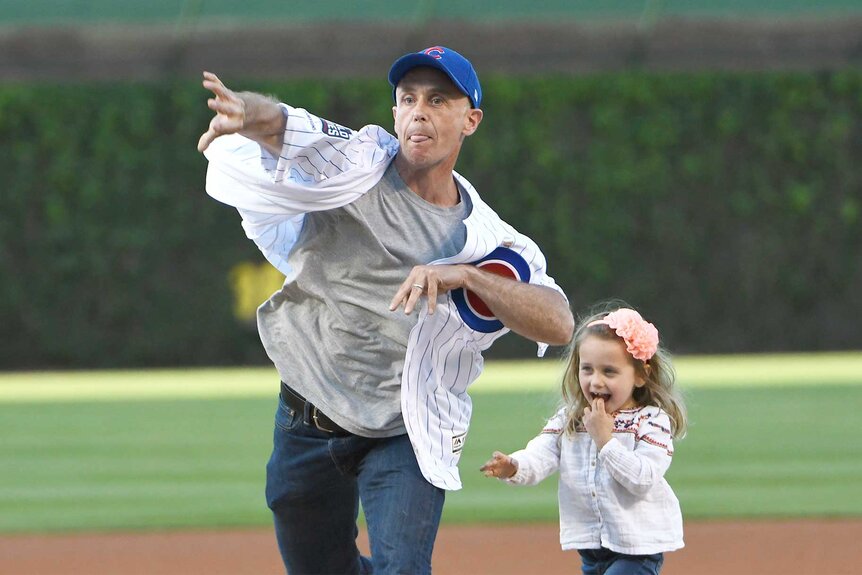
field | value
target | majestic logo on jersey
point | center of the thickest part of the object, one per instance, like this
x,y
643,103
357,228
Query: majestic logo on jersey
x,y
335,130
475,312
435,52
458,442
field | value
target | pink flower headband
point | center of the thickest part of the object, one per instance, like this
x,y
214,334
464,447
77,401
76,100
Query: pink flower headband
x,y
641,336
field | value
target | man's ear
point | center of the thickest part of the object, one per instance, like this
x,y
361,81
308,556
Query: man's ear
x,y
472,121
394,115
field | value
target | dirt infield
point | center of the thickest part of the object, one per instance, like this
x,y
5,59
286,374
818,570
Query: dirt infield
x,y
822,547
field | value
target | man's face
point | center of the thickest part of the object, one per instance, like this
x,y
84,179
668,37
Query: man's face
x,y
432,117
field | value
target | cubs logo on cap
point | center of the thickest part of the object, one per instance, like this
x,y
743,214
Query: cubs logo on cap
x,y
435,52
475,312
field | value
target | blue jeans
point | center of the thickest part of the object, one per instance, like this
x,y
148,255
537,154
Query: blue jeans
x,y
314,483
606,562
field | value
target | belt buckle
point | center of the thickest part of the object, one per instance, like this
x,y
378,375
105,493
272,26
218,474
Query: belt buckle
x,y
317,423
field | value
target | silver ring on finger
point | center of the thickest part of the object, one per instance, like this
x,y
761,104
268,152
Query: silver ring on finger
x,y
419,286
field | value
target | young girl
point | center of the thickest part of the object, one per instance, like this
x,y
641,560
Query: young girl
x,y
612,442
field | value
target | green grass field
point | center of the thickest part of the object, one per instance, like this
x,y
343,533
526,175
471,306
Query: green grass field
x,y
769,436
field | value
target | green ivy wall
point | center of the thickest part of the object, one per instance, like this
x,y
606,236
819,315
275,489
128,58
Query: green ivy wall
x,y
727,207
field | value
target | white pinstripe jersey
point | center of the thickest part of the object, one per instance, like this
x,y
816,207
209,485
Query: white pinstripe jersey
x,y
323,166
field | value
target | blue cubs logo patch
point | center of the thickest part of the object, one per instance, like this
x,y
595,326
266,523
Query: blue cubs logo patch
x,y
475,312
336,130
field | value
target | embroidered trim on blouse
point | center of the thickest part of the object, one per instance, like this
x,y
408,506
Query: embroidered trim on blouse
x,y
652,441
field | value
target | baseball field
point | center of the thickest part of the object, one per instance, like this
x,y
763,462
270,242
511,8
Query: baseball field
x,y
128,460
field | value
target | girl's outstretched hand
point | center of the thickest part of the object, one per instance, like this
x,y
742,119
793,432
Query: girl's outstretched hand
x,y
500,465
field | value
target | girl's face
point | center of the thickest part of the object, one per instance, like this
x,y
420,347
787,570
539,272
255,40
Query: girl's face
x,y
606,371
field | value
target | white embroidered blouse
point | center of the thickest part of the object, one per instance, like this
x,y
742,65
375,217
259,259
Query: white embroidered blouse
x,y
615,498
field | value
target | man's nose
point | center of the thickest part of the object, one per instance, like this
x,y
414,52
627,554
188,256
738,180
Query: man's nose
x,y
419,113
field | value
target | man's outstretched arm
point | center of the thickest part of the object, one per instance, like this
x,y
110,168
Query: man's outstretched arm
x,y
254,116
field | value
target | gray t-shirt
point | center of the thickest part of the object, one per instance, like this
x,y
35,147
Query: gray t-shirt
x,y
329,330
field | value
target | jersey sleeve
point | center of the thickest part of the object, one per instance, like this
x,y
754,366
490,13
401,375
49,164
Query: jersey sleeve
x,y
640,469
321,166
320,153
274,236
541,456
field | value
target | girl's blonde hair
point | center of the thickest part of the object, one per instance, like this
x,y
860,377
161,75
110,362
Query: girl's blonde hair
x,y
657,372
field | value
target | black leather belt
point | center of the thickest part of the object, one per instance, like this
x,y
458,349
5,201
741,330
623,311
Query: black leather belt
x,y
311,416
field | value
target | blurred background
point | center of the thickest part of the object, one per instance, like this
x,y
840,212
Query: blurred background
x,y
699,160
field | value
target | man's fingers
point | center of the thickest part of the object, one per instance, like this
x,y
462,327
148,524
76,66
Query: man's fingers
x,y
209,76
409,293
429,281
205,140
230,108
211,82
229,111
600,405
217,128
219,89
431,288
396,302
401,296
413,297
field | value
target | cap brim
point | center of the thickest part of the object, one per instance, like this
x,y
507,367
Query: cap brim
x,y
406,63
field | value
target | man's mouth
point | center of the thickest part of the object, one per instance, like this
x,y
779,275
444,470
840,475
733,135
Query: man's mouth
x,y
418,138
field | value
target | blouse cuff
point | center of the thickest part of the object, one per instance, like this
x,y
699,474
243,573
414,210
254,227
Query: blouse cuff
x,y
520,476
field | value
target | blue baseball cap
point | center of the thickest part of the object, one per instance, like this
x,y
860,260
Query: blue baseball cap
x,y
457,67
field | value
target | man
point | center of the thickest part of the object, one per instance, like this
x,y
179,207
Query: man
x,y
367,229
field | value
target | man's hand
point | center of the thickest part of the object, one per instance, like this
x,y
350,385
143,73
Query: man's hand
x,y
500,465
229,109
599,423
429,281
254,116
